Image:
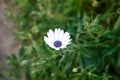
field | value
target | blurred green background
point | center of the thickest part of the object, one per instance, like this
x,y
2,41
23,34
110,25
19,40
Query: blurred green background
x,y
94,26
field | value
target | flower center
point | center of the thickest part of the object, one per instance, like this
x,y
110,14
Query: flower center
x,y
57,43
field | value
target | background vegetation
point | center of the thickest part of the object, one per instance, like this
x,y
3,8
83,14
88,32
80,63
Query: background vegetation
x,y
94,26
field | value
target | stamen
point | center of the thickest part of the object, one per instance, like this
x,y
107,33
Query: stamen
x,y
57,43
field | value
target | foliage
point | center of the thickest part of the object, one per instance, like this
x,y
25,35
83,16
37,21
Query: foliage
x,y
94,53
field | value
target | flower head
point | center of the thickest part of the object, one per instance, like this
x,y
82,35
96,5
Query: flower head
x,y
57,39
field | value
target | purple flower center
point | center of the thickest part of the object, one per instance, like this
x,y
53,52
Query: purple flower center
x,y
57,43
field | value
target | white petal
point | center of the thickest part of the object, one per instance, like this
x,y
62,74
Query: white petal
x,y
49,42
65,37
65,40
57,48
56,33
63,46
50,34
61,35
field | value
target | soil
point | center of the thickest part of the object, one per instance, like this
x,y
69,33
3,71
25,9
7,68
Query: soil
x,y
8,44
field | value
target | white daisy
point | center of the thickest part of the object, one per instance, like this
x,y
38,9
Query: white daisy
x,y
57,39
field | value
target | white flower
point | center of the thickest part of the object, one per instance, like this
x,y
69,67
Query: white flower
x,y
57,39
